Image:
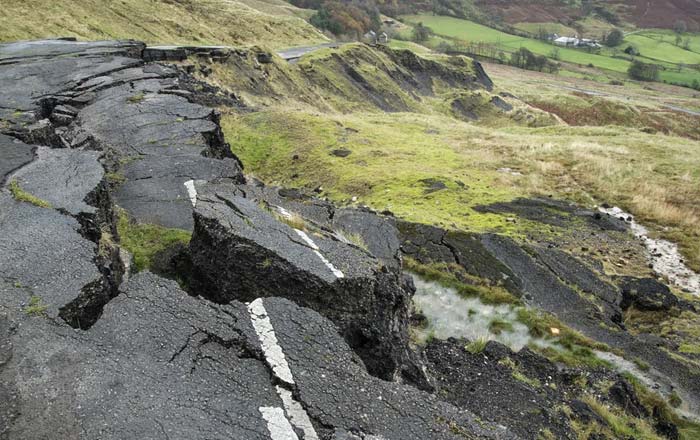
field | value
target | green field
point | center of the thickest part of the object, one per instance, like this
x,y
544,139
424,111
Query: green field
x,y
650,44
661,50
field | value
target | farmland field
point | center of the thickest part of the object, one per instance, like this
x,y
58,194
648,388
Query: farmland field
x,y
651,45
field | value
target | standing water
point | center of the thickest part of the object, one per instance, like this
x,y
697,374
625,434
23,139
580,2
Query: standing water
x,y
452,315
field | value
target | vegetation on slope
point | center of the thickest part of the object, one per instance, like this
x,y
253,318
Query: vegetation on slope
x,y
145,241
393,154
202,22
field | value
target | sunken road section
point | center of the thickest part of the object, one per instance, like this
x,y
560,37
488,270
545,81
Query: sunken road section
x,y
90,350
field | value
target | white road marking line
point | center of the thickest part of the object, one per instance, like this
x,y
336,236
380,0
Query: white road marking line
x,y
191,192
268,340
277,424
317,251
297,415
283,212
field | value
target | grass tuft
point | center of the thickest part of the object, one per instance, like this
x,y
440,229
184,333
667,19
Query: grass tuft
x,y
144,241
36,307
23,196
477,346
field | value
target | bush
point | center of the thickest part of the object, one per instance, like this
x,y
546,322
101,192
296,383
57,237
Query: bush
x,y
614,38
631,50
680,27
525,59
643,71
421,33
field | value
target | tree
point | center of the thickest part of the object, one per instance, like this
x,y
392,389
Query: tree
x,y
555,54
421,33
614,38
680,27
631,50
643,71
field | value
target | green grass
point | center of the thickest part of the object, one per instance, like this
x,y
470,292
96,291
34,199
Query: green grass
x,y
550,28
469,31
144,241
215,22
453,276
477,346
621,424
137,98
23,196
655,177
36,307
650,45
665,50
518,374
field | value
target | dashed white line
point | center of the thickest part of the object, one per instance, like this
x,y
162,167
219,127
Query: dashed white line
x,y
277,423
338,274
297,415
191,192
268,341
317,251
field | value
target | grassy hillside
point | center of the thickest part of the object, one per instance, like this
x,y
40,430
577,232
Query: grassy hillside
x,y
218,22
614,150
654,47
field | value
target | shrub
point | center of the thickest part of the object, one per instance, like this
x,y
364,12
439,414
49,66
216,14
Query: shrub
x,y
643,71
421,33
614,38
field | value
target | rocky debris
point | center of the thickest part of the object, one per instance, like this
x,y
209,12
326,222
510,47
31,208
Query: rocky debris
x,y
501,103
181,53
555,282
341,152
13,154
241,251
487,383
622,393
529,394
647,294
433,185
554,212
163,364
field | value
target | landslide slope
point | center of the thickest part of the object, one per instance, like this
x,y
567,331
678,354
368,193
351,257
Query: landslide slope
x,y
231,22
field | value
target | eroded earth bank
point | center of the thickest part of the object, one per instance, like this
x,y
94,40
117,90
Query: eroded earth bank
x,y
269,313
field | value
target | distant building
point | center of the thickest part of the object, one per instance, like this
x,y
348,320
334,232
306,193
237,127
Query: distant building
x,y
370,37
576,42
383,38
567,41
